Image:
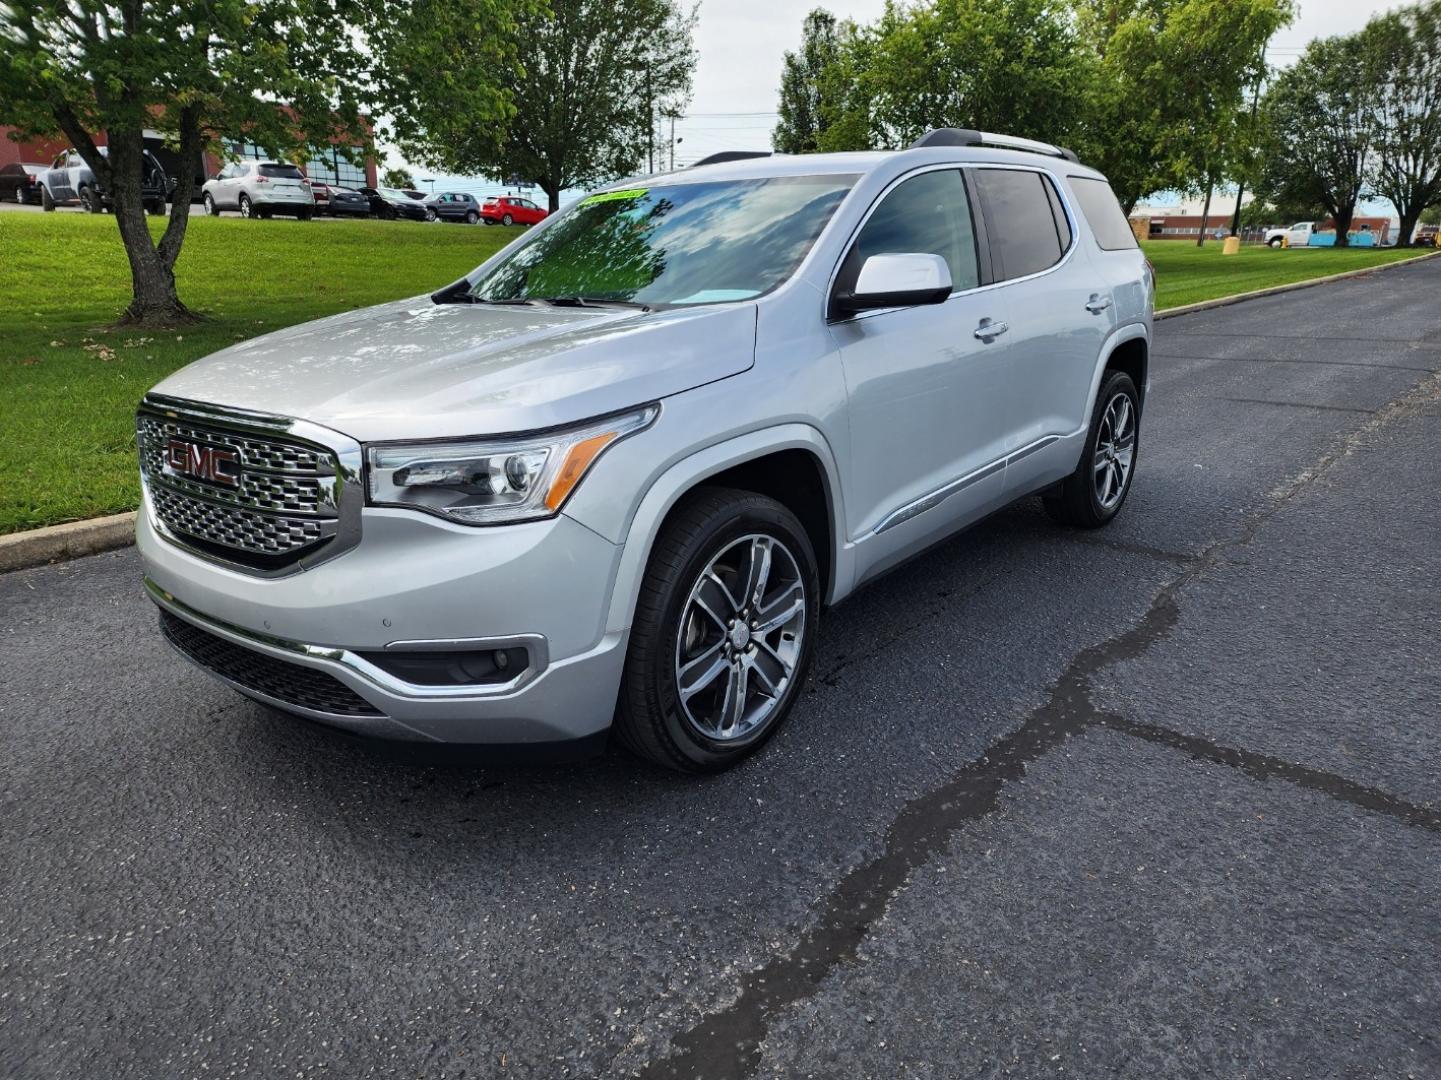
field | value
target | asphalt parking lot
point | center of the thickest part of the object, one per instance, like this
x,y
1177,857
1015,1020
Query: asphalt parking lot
x,y
1159,801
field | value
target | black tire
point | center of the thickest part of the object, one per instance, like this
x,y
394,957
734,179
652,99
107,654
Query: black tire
x,y
90,201
47,202
208,201
157,207
471,217
1274,243
507,220
650,721
1076,501
303,215
246,209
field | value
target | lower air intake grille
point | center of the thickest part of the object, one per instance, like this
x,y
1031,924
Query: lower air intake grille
x,y
293,684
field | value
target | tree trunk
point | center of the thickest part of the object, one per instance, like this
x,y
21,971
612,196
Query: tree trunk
x,y
1205,213
1409,217
552,195
154,300
1343,225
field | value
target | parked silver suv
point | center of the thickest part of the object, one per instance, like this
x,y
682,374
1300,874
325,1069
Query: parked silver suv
x,y
259,189
611,476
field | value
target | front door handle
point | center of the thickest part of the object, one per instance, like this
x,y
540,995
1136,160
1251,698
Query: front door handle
x,y
989,330
1097,303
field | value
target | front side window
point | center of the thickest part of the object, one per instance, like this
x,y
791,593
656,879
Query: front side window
x,y
928,214
1019,222
687,243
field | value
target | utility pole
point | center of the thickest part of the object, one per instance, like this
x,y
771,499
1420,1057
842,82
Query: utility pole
x,y
1255,101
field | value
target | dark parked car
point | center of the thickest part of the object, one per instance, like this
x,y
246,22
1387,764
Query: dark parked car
x,y
392,203
454,206
341,202
69,182
21,182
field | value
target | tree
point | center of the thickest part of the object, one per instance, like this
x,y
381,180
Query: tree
x,y
1321,126
994,65
1169,104
1431,215
594,76
397,178
1406,165
812,87
282,74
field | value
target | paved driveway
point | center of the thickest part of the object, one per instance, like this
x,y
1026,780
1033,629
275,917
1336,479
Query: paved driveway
x,y
1160,801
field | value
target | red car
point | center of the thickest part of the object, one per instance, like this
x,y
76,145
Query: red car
x,y
511,210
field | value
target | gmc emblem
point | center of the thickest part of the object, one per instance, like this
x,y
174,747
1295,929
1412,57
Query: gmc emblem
x,y
212,463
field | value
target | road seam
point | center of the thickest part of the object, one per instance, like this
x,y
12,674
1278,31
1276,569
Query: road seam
x,y
727,1044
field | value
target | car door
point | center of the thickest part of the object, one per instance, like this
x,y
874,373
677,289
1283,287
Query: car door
x,y
924,384
58,179
1061,309
1299,235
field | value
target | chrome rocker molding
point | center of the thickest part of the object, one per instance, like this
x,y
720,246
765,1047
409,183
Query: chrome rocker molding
x,y
934,499
343,661
346,495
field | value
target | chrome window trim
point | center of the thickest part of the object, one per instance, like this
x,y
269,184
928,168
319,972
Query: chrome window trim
x,y
345,491
344,662
1061,193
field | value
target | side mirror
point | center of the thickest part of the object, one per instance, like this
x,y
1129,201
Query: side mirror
x,y
897,281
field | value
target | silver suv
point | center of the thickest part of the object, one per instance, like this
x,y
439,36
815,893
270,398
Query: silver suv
x,y
610,477
259,189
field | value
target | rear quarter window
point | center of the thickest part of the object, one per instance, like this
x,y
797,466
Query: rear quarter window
x,y
1103,213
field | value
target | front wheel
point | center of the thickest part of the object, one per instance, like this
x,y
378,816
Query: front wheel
x,y
157,207
507,220
90,201
1274,243
1092,495
723,632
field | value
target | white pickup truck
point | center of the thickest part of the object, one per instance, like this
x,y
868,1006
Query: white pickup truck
x,y
1298,235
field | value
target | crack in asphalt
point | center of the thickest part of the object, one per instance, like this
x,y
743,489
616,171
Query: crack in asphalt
x,y
1296,404
1303,363
727,1044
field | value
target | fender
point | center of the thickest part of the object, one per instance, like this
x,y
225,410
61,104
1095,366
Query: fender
x,y
1119,336
671,485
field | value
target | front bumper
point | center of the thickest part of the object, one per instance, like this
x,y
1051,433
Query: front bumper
x,y
416,584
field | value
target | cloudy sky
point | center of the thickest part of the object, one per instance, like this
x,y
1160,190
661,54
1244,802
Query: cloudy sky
x,y
741,44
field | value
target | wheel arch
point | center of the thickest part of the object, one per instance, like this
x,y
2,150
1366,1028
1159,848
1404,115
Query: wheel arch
x,y
792,464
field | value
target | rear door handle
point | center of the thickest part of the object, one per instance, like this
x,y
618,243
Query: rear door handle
x,y
1097,303
989,330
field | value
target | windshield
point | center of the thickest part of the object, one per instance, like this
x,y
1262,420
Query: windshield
x,y
278,171
700,243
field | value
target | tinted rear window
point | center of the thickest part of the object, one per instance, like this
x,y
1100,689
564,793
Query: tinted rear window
x,y
281,172
1020,223
1103,213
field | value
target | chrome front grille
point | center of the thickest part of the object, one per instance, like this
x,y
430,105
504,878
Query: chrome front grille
x,y
285,497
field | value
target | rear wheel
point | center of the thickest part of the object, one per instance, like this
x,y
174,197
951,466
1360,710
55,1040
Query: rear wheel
x,y
303,215
47,203
471,217
157,207
723,632
89,200
246,209
1092,495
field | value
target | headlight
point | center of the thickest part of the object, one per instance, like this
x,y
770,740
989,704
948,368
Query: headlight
x,y
491,481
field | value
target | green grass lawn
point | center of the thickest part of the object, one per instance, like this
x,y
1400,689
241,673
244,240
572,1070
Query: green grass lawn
x,y
68,387
1186,274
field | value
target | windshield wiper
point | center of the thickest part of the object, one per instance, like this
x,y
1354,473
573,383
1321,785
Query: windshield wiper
x,y
591,301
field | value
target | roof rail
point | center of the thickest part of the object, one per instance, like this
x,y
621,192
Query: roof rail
x,y
970,137
730,155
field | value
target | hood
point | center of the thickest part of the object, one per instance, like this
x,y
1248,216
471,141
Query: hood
x,y
416,369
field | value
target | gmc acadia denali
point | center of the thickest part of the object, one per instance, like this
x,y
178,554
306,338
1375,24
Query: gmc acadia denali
x,y
613,474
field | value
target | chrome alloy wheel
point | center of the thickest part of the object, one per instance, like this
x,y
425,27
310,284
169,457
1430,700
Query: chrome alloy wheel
x,y
740,637
1115,451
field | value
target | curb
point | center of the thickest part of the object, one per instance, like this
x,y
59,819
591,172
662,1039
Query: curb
x,y
1276,290
69,541
56,542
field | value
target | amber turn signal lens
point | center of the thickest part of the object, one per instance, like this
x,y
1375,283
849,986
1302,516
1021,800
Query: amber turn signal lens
x,y
576,462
